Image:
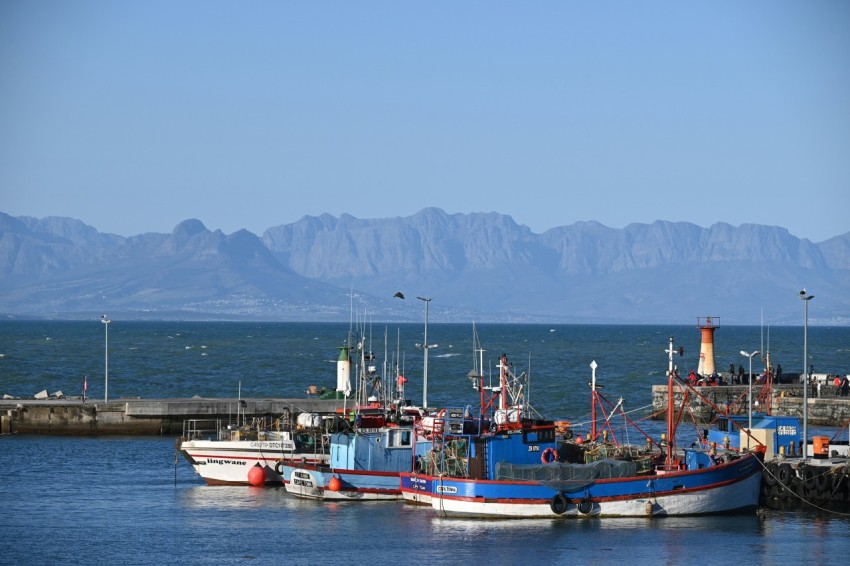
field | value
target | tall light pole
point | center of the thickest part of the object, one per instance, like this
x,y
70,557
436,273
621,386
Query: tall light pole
x,y
105,322
805,298
425,346
751,356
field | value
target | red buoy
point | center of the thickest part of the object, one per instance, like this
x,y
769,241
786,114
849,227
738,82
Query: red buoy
x,y
334,484
257,476
579,440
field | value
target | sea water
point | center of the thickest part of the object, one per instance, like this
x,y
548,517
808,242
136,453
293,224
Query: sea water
x,y
110,500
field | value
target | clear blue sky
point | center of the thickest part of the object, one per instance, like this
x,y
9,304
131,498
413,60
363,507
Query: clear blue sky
x,y
134,116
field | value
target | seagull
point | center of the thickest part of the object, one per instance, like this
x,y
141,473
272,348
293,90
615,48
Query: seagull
x,y
399,294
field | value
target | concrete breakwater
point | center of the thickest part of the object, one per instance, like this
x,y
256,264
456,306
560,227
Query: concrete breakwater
x,y
140,416
786,400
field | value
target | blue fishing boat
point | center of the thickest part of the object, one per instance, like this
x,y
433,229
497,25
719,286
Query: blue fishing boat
x,y
501,431
365,463
626,484
385,437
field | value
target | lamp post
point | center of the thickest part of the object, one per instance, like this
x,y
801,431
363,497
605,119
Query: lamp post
x,y
805,298
105,322
425,346
750,421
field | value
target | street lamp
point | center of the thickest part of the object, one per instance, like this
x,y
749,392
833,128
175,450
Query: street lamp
x,y
425,346
751,356
105,322
805,298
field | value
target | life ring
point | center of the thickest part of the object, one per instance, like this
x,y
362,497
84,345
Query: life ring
x,y
549,455
585,506
559,504
278,468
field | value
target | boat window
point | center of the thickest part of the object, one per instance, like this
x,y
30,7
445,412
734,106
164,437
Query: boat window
x,y
398,438
532,436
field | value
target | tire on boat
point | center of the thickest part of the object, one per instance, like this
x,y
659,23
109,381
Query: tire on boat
x,y
785,474
585,506
770,474
278,468
801,490
837,481
822,482
559,504
809,473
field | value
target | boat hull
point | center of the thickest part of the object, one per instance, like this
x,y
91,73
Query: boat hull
x,y
416,489
726,488
312,482
229,462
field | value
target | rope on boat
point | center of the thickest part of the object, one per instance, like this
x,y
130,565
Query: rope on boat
x,y
590,421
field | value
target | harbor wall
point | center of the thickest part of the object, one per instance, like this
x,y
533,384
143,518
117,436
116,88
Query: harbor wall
x,y
141,416
786,400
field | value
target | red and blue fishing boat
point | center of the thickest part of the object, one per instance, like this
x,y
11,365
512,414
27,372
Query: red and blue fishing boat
x,y
615,482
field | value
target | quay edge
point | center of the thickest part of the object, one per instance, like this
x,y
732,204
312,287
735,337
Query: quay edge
x,y
787,400
139,417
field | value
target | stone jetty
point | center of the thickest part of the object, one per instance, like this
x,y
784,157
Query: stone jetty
x,y
829,409
140,416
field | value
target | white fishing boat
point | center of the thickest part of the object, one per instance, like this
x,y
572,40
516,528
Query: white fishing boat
x,y
253,454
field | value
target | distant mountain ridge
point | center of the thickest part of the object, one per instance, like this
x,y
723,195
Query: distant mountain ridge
x,y
478,266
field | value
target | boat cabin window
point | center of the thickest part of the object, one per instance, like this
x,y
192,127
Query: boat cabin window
x,y
544,435
398,438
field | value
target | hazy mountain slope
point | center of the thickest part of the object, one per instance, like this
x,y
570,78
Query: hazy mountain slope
x,y
481,265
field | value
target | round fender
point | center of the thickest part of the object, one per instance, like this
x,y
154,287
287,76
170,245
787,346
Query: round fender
x,y
585,506
559,504
278,468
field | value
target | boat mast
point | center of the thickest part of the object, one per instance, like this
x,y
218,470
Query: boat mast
x,y
593,366
671,407
425,346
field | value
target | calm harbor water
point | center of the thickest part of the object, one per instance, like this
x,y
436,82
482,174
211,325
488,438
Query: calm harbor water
x,y
130,501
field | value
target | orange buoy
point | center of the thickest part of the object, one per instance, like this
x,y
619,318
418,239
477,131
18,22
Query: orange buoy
x,y
334,484
579,440
257,475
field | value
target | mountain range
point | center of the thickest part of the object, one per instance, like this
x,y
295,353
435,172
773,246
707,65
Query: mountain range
x,y
476,267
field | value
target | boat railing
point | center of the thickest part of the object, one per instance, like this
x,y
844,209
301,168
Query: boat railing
x,y
196,429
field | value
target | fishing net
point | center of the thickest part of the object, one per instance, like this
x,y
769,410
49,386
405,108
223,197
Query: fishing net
x,y
566,476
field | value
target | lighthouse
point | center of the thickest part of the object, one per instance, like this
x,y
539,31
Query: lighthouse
x,y
707,326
